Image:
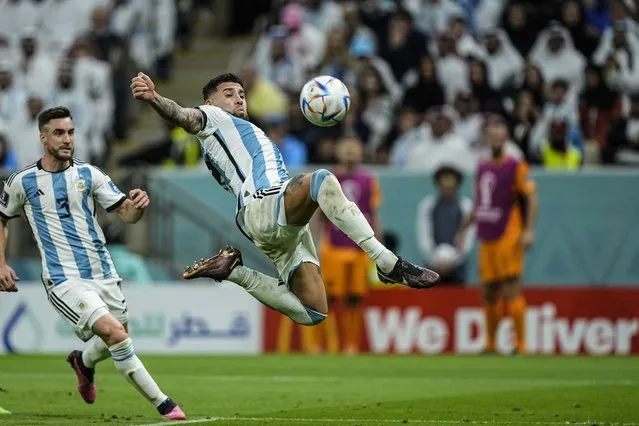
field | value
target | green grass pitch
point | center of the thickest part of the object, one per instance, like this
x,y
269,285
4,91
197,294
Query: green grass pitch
x,y
326,390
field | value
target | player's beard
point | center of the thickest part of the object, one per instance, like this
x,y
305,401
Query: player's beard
x,y
59,156
242,115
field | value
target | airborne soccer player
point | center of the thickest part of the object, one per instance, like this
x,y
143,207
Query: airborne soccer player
x,y
273,210
58,195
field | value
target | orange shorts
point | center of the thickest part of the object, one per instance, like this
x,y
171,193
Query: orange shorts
x,y
344,271
502,259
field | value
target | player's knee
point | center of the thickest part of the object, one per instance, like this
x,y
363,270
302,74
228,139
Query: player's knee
x,y
113,334
353,300
317,179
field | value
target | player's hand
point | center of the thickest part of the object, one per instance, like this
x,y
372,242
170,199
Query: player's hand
x,y
143,88
140,199
8,279
527,239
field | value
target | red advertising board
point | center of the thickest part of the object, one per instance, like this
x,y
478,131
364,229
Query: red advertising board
x,y
595,321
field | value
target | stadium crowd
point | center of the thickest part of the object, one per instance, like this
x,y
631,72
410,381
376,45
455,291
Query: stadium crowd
x,y
423,74
79,53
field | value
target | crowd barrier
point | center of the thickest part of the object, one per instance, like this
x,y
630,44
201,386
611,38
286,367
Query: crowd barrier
x,y
568,321
223,319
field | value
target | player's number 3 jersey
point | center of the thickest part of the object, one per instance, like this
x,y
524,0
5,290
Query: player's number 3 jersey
x,y
61,209
239,155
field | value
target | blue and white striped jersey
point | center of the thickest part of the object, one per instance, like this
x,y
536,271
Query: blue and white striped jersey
x,y
61,209
239,155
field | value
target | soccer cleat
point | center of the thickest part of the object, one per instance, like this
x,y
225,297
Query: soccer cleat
x,y
218,267
408,274
86,387
171,411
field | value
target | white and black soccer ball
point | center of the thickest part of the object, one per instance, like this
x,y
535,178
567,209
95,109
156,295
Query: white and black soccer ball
x,y
325,101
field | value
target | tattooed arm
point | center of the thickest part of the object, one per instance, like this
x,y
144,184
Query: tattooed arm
x,y
190,119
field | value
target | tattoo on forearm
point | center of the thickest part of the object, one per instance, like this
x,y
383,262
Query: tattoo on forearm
x,y
295,183
190,119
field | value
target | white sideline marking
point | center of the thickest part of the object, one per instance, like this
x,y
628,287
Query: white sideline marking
x,y
384,421
3,411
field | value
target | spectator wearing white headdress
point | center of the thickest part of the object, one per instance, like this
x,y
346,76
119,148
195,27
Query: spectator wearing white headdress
x,y
12,96
557,58
469,121
75,15
560,106
17,15
467,45
618,53
439,144
36,69
503,61
453,69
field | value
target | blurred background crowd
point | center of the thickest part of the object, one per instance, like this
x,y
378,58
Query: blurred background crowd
x,y
81,53
422,74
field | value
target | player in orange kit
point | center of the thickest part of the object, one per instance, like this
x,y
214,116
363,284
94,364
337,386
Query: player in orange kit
x,y
504,214
345,265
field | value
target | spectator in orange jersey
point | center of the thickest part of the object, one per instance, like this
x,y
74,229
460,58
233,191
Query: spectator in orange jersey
x,y
504,214
345,265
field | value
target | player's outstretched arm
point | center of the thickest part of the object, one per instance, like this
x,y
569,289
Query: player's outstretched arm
x,y
132,209
8,277
143,89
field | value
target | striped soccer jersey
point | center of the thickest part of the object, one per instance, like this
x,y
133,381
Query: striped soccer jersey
x,y
239,155
61,209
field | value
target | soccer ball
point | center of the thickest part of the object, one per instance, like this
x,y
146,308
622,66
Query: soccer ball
x,y
325,101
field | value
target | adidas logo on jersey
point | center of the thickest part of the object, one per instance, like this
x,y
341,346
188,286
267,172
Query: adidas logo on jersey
x,y
39,193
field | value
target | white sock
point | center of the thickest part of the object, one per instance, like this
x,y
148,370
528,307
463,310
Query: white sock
x,y
274,294
96,351
130,366
327,192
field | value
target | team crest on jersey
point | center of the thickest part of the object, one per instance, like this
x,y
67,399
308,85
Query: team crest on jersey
x,y
81,185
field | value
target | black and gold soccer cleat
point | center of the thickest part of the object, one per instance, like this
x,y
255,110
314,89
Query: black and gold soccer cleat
x,y
218,267
408,274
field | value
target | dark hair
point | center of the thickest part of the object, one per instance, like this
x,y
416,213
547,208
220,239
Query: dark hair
x,y
560,84
403,13
211,86
52,114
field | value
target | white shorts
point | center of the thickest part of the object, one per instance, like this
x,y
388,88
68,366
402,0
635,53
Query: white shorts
x,y
263,220
82,302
